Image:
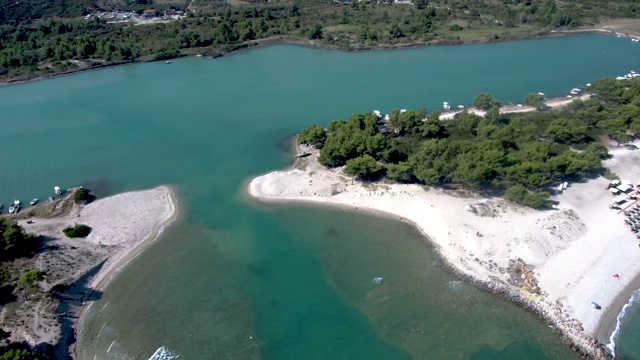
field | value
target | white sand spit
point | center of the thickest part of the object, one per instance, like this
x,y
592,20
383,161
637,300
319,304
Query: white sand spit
x,y
122,222
571,251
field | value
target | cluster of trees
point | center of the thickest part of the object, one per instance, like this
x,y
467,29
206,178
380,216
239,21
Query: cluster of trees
x,y
14,243
82,196
616,110
40,36
522,154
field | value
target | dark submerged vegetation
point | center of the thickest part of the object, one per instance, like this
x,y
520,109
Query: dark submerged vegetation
x,y
520,155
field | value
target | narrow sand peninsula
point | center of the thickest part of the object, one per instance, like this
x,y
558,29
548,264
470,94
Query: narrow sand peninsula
x,y
566,255
510,109
121,226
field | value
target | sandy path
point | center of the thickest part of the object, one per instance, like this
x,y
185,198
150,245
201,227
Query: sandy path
x,y
511,109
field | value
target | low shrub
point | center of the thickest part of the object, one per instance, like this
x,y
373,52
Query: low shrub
x,y
78,231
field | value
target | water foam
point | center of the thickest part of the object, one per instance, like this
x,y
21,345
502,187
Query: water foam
x,y
635,298
164,354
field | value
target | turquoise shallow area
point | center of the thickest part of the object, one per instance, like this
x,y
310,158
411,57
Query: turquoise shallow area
x,y
235,279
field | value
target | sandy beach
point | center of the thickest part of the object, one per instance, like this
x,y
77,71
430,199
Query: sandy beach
x,y
77,269
560,260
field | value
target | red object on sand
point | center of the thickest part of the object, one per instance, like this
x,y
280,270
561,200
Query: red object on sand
x,y
616,276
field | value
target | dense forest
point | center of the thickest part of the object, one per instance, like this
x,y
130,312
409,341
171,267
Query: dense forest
x,y
523,155
41,37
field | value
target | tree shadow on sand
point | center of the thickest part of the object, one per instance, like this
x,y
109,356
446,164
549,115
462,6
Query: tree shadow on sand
x,y
45,244
71,299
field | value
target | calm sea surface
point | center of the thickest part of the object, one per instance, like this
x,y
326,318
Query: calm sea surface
x,y
238,280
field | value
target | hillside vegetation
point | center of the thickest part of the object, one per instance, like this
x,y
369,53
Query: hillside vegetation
x,y
521,155
39,37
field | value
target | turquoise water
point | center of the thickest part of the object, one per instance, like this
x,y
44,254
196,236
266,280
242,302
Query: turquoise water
x,y
627,334
235,279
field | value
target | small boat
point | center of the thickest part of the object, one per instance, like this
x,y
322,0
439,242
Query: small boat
x,y
57,190
541,93
460,106
33,202
168,62
446,105
304,154
16,202
13,208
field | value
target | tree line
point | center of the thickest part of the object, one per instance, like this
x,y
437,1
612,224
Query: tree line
x,y
522,155
40,37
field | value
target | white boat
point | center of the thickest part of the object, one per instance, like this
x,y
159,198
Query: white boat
x,y
33,202
16,202
460,106
168,62
12,209
446,105
541,93
57,190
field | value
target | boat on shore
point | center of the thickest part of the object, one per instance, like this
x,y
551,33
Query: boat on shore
x,y
14,208
57,190
33,202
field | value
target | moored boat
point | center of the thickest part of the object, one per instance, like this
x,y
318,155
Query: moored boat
x,y
16,202
12,208
34,201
